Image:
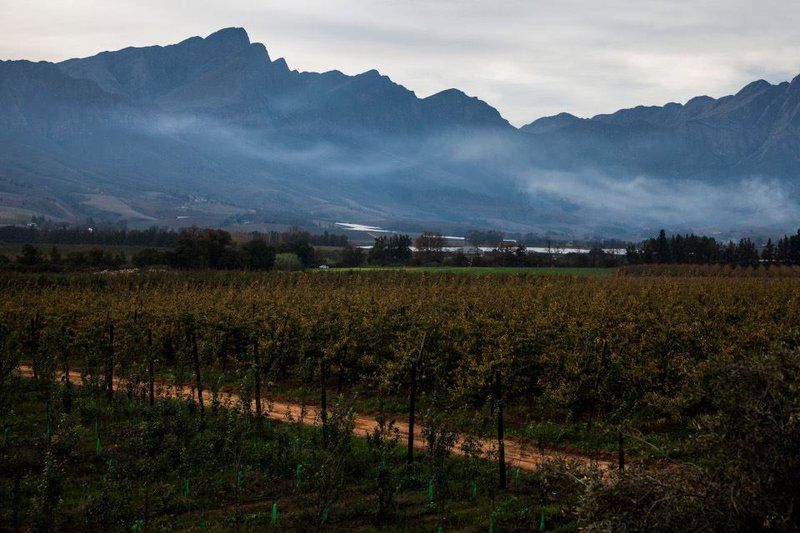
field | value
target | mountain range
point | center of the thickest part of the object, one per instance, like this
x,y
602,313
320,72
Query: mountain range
x,y
214,131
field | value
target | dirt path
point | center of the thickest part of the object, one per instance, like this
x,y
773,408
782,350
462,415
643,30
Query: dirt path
x,y
517,455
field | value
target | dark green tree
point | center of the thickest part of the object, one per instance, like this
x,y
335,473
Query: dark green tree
x,y
30,256
258,254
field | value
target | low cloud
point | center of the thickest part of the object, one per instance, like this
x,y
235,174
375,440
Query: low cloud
x,y
374,170
746,205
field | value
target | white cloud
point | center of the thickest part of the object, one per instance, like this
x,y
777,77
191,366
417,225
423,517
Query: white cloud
x,y
642,201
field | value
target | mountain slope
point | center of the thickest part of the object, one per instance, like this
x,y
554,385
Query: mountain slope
x,y
215,125
228,75
212,127
755,131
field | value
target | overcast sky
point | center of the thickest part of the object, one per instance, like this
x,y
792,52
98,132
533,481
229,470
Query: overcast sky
x,y
526,58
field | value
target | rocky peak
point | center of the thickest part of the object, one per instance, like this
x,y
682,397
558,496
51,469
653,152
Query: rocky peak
x,y
231,38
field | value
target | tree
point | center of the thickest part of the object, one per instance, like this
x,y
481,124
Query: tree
x,y
232,259
288,261
55,256
632,254
662,247
768,253
300,248
430,242
598,257
398,248
212,244
258,254
729,254
187,249
378,254
153,256
352,256
30,256
490,238
201,248
746,253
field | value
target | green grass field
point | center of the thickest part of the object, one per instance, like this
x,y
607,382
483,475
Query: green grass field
x,y
488,270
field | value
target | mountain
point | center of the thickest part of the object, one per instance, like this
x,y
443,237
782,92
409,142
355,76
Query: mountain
x,y
214,131
212,127
756,131
227,76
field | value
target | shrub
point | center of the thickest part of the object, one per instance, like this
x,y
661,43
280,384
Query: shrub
x,y
288,261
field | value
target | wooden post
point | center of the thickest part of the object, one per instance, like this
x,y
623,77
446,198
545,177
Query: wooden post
x,y
501,447
257,364
67,382
342,357
147,502
323,378
412,399
110,363
151,377
596,388
196,360
15,501
34,344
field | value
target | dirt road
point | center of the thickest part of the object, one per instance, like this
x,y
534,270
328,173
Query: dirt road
x,y
517,455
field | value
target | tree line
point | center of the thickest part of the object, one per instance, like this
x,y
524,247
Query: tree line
x,y
45,232
695,249
430,249
215,249
51,234
323,239
33,259
193,248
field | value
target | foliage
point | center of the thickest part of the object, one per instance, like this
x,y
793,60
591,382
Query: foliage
x,y
709,365
288,261
382,444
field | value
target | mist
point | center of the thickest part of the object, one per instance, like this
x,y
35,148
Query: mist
x,y
368,172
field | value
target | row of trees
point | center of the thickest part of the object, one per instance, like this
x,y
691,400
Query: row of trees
x,y
200,451
61,234
294,234
215,249
32,258
395,249
549,337
430,248
194,248
694,249
704,361
189,247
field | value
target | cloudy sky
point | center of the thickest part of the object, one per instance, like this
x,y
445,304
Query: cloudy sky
x,y
527,58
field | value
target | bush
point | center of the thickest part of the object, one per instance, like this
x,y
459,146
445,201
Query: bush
x,y
352,257
153,256
288,261
749,479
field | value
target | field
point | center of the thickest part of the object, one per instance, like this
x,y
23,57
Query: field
x,y
487,270
690,381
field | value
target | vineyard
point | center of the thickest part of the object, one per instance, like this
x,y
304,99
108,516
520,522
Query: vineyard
x,y
235,401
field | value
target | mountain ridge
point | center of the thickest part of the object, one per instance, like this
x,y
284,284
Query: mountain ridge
x,y
169,73
214,127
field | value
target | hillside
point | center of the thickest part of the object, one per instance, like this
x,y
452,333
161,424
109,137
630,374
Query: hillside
x,y
210,128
